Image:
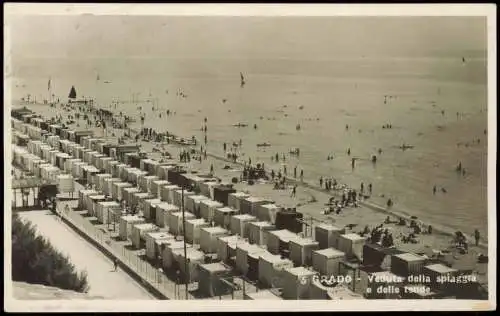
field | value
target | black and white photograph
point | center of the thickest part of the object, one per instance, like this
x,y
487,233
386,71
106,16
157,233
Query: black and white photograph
x,y
159,154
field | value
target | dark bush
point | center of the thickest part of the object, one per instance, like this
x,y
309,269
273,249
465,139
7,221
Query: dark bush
x,y
34,260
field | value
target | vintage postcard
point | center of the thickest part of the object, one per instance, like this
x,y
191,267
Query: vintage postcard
x,y
308,156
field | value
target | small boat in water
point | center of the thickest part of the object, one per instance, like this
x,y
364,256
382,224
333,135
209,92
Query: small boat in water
x,y
405,147
263,145
294,151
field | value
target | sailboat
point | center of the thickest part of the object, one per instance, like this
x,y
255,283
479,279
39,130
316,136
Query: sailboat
x,y
72,93
242,80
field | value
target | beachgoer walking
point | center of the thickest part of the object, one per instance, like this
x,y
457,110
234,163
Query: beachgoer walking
x,y
115,264
477,235
294,191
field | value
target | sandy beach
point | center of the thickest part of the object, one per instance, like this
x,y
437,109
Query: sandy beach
x,y
310,200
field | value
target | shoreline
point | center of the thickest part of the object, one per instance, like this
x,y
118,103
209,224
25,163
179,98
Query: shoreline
x,y
447,231
135,127
367,214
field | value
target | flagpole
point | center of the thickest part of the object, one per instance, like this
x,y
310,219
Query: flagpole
x,y
186,267
49,88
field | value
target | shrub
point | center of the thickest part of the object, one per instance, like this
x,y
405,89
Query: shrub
x,y
34,260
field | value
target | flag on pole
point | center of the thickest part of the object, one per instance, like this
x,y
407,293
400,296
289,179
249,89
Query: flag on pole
x,y
49,85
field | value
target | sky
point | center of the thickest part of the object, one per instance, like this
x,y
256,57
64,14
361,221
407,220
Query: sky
x,y
88,36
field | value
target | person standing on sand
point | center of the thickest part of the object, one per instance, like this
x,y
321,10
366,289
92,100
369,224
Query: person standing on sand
x,y
284,170
302,175
115,264
434,189
294,191
389,203
477,235
295,172
348,151
321,182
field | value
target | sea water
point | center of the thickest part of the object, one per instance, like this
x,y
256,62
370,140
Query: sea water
x,y
323,96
